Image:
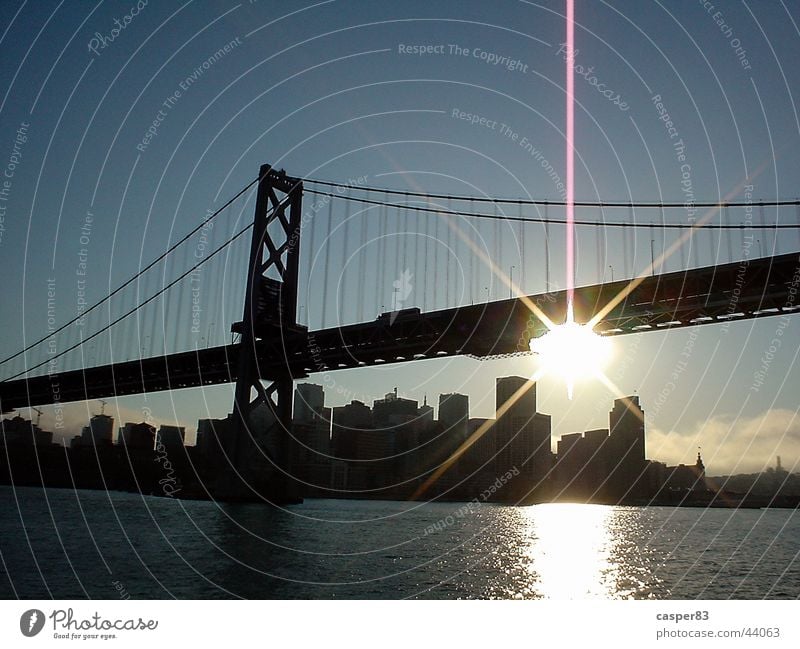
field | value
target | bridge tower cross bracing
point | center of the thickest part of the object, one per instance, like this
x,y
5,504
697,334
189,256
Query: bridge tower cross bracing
x,y
269,324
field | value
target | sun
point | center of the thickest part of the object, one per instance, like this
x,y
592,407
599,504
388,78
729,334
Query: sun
x,y
572,351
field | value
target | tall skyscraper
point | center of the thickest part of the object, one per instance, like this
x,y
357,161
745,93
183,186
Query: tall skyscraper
x,y
398,420
309,401
626,448
393,410
522,436
454,415
99,432
505,389
347,422
626,423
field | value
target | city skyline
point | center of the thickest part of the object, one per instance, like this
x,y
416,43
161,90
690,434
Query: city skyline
x,y
397,449
307,394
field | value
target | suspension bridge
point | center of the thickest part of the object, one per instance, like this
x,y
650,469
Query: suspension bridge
x,y
366,276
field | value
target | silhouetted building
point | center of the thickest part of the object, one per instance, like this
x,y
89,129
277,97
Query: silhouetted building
x,y
596,470
309,401
475,467
582,466
521,437
215,439
313,436
569,462
626,423
425,412
525,401
398,418
18,431
347,422
392,410
482,449
515,402
364,451
627,449
454,415
686,478
99,432
310,455
172,437
137,436
310,450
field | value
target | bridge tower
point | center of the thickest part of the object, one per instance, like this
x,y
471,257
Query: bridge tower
x,y
269,335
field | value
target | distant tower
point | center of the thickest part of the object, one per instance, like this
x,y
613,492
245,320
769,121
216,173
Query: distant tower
x,y
425,412
699,467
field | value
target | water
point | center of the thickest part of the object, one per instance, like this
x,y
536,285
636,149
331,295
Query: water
x,y
76,544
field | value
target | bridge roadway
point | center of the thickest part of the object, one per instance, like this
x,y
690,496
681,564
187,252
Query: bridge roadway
x,y
730,292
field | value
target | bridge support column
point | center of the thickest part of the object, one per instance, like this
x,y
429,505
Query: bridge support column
x,y
262,413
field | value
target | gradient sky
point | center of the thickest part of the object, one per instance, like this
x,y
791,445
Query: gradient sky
x,y
325,90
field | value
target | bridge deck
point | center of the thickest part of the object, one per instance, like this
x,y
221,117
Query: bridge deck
x,y
762,287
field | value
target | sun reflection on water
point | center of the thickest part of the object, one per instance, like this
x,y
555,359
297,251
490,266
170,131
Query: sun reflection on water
x,y
570,551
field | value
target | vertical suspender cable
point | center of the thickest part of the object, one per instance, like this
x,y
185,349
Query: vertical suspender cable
x,y
417,280
436,244
379,287
343,270
473,280
597,249
448,254
728,233
186,264
427,282
404,241
663,242
497,254
684,253
362,253
714,250
396,246
741,238
149,343
325,277
625,235
521,250
546,250
169,299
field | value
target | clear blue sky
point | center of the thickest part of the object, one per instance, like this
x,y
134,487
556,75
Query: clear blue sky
x,y
333,90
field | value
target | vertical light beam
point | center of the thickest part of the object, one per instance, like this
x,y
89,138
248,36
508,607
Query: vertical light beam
x,y
570,58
